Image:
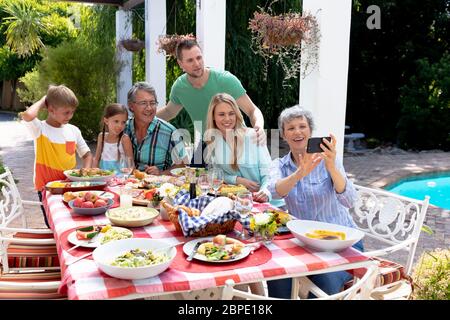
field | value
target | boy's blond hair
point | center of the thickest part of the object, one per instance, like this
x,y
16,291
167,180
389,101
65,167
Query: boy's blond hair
x,y
61,96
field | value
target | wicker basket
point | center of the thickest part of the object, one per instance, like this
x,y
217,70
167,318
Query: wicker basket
x,y
132,44
210,229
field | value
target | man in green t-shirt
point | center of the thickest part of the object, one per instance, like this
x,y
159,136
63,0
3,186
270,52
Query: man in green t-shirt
x,y
194,89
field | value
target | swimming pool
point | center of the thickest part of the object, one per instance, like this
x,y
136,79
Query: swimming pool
x,y
435,185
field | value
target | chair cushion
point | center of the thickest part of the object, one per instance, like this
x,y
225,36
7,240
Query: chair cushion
x,y
32,256
389,272
29,292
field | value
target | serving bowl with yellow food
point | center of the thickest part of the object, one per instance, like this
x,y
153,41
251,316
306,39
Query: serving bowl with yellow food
x,y
231,189
323,236
62,186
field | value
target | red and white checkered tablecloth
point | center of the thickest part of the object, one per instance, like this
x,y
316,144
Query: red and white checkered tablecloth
x,y
83,280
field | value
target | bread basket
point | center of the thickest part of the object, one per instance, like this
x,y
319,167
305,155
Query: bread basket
x,y
208,229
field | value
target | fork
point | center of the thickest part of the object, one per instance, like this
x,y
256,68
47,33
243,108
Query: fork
x,y
168,247
79,258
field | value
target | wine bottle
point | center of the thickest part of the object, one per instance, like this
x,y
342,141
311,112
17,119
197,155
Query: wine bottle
x,y
192,190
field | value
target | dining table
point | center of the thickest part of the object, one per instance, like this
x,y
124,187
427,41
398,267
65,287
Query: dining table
x,y
283,257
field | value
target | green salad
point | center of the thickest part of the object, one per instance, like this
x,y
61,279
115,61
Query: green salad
x,y
139,258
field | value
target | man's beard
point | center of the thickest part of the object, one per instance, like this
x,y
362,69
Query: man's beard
x,y
196,76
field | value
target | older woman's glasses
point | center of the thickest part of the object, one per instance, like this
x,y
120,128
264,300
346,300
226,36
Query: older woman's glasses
x,y
145,103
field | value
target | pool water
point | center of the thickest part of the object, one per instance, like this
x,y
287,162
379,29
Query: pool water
x,y
436,185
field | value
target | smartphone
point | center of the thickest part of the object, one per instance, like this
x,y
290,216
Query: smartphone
x,y
314,144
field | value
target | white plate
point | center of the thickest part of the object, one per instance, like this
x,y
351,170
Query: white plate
x,y
104,194
177,171
300,227
189,246
219,206
72,238
98,178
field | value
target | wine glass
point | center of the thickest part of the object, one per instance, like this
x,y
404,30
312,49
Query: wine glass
x,y
126,165
216,178
203,182
189,148
244,205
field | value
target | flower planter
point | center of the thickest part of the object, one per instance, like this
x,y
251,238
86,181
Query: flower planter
x,y
132,44
168,43
284,38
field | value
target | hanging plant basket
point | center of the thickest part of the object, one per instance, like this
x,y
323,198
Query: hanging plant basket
x,y
284,37
168,43
132,44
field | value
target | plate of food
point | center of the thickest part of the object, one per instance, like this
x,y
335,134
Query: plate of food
x,y
89,174
93,236
151,181
227,189
182,171
71,195
62,186
144,197
218,249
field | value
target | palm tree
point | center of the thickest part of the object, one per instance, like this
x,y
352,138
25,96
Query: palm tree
x,y
24,26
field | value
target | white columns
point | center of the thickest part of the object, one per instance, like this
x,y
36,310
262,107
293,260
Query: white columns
x,y
210,31
125,76
324,91
155,63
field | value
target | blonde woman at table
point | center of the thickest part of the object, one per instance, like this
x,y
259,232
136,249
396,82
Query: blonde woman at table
x,y
314,186
231,147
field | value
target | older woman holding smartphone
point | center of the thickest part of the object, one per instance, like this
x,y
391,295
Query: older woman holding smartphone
x,y
314,187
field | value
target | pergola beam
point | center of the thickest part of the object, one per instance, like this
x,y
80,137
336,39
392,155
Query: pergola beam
x,y
130,4
324,90
110,2
155,62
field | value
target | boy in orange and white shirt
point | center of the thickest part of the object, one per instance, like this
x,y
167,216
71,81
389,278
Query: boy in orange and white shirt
x,y
55,140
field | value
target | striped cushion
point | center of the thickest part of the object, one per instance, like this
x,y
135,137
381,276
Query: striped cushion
x,y
389,272
31,276
32,256
28,292
32,295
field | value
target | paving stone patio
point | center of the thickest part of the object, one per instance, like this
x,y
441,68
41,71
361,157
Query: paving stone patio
x,y
373,168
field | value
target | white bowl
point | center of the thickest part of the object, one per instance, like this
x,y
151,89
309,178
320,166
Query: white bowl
x,y
105,254
142,216
300,227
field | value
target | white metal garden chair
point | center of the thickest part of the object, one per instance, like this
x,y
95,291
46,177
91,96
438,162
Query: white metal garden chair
x,y
360,290
34,273
395,222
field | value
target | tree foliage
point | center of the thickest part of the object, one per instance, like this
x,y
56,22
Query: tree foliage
x,y
382,61
27,26
85,65
425,113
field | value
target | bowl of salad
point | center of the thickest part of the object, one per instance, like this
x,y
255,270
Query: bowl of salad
x,y
135,258
89,174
